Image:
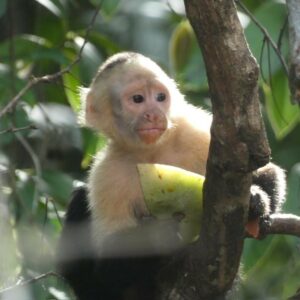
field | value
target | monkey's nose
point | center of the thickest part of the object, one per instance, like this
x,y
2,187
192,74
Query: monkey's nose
x,y
151,117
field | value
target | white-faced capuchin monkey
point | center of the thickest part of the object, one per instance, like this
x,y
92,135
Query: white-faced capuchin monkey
x,y
107,249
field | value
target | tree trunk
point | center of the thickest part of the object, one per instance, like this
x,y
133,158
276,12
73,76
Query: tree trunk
x,y
238,147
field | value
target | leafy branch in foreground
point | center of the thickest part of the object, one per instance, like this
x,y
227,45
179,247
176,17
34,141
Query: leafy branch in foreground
x,y
50,77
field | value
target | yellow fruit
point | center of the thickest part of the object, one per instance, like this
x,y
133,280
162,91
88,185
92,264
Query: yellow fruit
x,y
171,192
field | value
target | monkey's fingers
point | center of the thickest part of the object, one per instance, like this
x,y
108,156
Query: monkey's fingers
x,y
252,228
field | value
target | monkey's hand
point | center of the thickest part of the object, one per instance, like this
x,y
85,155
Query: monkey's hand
x,y
259,212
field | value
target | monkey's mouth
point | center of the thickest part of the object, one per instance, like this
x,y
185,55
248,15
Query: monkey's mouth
x,y
150,135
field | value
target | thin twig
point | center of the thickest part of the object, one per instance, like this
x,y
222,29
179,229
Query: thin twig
x,y
56,212
16,129
50,77
280,37
30,281
36,163
266,35
13,102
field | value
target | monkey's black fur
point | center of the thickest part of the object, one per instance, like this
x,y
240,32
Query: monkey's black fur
x,y
94,278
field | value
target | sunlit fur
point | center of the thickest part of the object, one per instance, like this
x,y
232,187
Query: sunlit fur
x,y
114,189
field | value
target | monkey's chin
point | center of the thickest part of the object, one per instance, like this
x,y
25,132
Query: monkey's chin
x,y
151,135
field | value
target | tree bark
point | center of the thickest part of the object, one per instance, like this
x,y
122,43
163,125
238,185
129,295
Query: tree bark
x,y
238,146
284,224
294,37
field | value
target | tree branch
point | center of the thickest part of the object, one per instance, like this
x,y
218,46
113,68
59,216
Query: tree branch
x,y
16,129
284,224
50,77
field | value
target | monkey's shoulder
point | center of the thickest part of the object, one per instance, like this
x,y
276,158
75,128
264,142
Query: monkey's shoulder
x,y
194,125
109,163
191,141
112,178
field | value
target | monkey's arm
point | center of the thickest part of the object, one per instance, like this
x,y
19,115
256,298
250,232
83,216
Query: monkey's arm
x,y
271,179
267,192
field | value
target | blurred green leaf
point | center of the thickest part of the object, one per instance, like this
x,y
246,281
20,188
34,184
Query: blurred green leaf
x,y
25,46
53,55
32,48
253,5
271,15
253,252
52,28
92,144
181,45
9,262
58,185
71,85
25,191
286,151
107,7
292,204
3,4
90,58
273,270
282,114
56,31
104,43
48,4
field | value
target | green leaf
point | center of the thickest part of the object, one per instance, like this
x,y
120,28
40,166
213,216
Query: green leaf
x,y
252,5
292,203
272,268
25,190
26,46
286,151
282,114
107,7
92,144
50,6
271,15
32,48
106,44
181,46
9,262
71,85
91,58
52,28
57,184
3,4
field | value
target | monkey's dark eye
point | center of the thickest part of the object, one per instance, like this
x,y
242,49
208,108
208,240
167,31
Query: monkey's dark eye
x,y
161,97
138,98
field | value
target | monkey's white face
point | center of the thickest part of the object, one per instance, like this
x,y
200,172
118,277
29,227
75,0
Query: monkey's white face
x,y
145,104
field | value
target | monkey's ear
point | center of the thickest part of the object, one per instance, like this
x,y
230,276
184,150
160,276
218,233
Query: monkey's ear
x,y
87,114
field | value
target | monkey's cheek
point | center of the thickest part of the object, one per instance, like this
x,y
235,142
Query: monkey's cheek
x,y
150,136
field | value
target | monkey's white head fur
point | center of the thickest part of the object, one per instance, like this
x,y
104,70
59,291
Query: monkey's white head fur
x,y
83,92
98,104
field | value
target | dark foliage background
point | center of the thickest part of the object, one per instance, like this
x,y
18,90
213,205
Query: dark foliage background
x,y
44,154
